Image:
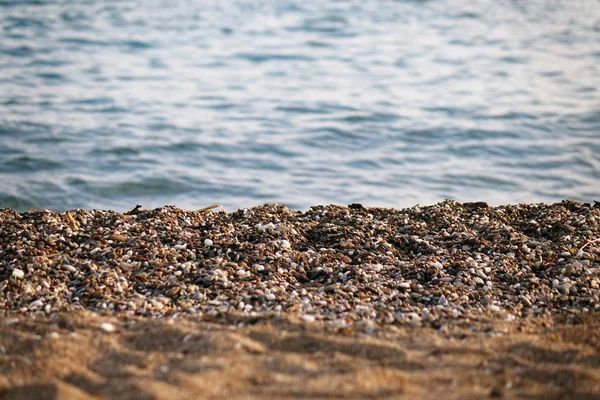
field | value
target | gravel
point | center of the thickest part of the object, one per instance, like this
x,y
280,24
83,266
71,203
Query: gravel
x,y
416,266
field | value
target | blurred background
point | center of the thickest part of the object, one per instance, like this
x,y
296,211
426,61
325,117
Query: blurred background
x,y
107,104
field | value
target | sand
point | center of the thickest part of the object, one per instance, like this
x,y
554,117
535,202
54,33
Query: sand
x,y
461,301
69,356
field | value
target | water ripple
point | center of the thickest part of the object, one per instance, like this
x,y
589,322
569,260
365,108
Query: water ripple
x,y
387,103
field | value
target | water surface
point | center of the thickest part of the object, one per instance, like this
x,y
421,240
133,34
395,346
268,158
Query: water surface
x,y
107,104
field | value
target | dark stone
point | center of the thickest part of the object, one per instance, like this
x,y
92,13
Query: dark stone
x,y
476,205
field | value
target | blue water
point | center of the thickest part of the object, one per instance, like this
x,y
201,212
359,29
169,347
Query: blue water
x,y
107,104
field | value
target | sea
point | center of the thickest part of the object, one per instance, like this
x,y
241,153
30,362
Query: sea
x,y
109,104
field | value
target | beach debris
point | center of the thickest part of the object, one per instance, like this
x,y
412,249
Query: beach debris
x,y
212,207
72,223
135,210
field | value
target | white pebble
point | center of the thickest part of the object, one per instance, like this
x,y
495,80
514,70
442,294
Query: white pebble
x,y
494,308
180,246
284,244
241,273
340,323
69,268
264,227
369,329
107,327
308,318
413,318
208,242
443,301
18,274
36,304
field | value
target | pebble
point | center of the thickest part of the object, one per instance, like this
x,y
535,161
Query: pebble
x,y
576,265
329,263
308,318
340,323
107,327
555,283
69,268
117,238
565,287
36,304
18,274
494,308
265,227
443,301
412,318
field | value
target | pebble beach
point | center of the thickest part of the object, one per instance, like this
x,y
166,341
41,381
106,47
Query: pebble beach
x,y
382,107
444,272
422,265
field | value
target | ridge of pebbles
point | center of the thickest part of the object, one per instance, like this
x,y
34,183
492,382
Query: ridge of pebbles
x,y
421,265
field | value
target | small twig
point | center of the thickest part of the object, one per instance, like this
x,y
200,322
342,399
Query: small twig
x,y
72,221
212,207
58,253
588,243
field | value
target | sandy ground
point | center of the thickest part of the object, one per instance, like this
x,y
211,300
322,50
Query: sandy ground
x,y
451,301
70,356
